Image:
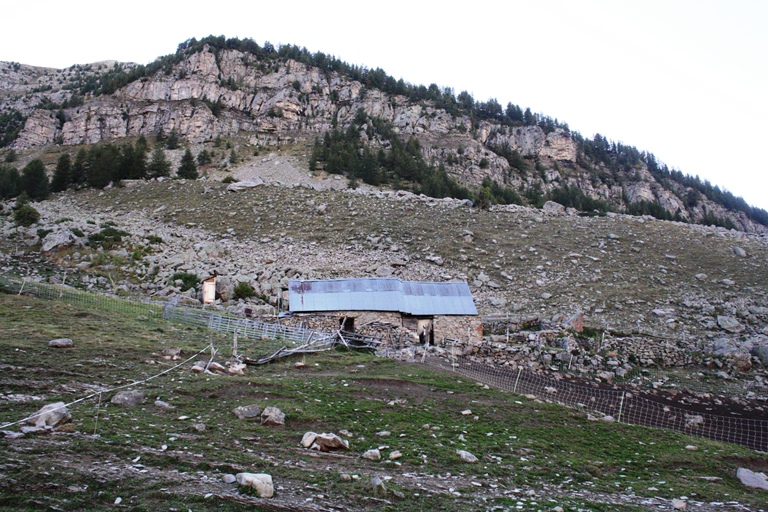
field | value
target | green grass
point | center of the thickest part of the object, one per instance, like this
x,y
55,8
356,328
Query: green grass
x,y
523,445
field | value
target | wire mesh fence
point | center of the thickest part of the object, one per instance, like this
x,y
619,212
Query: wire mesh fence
x,y
246,327
18,285
215,321
610,404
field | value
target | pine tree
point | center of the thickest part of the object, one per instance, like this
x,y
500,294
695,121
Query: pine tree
x,y
78,172
172,141
203,157
158,165
101,165
34,181
9,182
141,150
62,176
187,169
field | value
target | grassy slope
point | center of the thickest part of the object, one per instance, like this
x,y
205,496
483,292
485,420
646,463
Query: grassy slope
x,y
523,445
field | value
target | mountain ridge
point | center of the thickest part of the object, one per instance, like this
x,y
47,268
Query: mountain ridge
x,y
217,87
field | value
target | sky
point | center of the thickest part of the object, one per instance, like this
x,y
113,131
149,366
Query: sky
x,y
686,80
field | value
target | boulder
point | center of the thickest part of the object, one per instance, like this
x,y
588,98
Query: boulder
x,y
225,288
59,240
245,185
761,353
730,324
272,416
245,412
51,415
576,322
374,454
553,208
61,343
738,251
466,456
752,479
128,398
262,482
324,442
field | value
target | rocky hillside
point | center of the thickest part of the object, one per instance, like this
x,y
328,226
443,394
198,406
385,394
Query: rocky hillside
x,y
225,88
701,286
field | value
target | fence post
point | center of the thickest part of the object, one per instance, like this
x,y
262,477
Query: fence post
x,y
234,343
519,371
453,355
621,406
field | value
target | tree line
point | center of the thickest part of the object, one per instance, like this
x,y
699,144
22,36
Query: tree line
x,y
388,161
97,166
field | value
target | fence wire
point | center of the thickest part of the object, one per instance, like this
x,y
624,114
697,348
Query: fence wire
x,y
609,404
72,295
246,327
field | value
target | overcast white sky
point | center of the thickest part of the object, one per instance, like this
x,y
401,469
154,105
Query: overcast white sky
x,y
686,80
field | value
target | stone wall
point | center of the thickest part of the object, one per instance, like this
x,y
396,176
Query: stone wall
x,y
389,326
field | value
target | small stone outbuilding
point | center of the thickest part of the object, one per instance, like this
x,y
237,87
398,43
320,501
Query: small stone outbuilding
x,y
399,312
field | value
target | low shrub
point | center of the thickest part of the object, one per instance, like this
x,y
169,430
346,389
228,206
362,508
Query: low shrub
x,y
244,290
26,216
188,279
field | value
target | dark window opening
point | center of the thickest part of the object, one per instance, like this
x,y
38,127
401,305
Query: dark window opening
x,y
347,324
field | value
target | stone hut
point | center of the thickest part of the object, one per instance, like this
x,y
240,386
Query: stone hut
x,y
399,312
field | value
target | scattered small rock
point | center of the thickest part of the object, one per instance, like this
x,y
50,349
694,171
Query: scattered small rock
x,y
730,324
61,343
466,456
128,398
164,405
245,412
373,454
198,367
262,482
216,367
378,486
272,416
50,415
236,369
678,504
324,442
752,479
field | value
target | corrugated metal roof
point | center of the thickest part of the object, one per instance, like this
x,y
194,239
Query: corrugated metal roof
x,y
381,294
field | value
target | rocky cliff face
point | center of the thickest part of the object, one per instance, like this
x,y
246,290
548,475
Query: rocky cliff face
x,y
211,94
